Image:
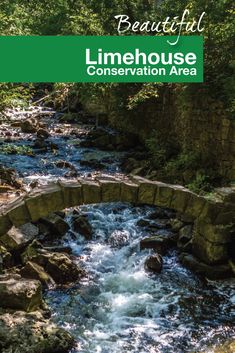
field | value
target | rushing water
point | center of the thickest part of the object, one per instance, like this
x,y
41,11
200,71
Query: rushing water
x,y
42,165
119,307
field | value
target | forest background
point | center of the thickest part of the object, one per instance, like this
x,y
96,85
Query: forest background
x,y
187,131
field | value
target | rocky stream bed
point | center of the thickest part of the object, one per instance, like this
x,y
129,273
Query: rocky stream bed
x,y
98,278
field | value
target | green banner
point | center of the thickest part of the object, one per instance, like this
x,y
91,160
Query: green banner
x,y
101,59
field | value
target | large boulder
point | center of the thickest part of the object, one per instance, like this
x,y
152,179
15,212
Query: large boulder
x,y
159,243
154,263
62,269
200,268
81,224
16,238
59,266
20,294
153,225
161,213
185,237
54,226
31,251
8,176
28,126
119,238
6,259
30,230
64,165
43,133
31,333
34,271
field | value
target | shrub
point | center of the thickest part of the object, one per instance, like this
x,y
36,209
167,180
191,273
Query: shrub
x,y
201,184
14,149
183,162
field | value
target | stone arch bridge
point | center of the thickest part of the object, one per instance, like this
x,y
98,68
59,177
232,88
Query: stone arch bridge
x,y
213,217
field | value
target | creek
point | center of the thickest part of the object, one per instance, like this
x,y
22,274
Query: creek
x,y
42,166
119,306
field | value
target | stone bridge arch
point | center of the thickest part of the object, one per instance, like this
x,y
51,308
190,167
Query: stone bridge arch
x,y
210,216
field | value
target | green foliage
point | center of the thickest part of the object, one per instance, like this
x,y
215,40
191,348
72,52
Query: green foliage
x,y
219,38
184,161
160,151
201,184
12,95
138,108
147,91
15,149
84,22
80,17
188,168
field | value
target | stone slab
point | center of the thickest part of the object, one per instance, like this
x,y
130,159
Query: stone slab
x,y
5,224
72,193
211,210
208,252
91,191
147,190
164,194
195,206
218,234
45,200
17,212
180,198
129,192
110,190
